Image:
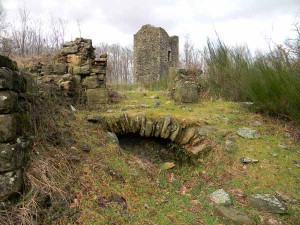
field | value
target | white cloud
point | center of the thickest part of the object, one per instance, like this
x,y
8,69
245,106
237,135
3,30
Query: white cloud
x,y
236,21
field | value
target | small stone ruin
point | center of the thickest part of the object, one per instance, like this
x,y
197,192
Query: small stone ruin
x,y
13,151
185,86
77,72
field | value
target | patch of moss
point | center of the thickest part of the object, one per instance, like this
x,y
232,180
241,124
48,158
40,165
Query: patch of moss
x,y
7,62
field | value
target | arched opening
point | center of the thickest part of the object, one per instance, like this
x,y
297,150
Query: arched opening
x,y
156,150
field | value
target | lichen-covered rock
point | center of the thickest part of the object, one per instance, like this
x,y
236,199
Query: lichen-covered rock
x,y
8,129
267,203
10,183
186,92
232,214
220,197
12,156
248,133
112,137
7,101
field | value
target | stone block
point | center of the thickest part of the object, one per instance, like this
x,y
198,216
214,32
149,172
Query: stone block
x,y
74,60
10,183
96,97
7,101
186,92
70,50
13,156
68,44
103,56
101,77
98,70
82,70
8,129
91,82
59,68
6,79
101,60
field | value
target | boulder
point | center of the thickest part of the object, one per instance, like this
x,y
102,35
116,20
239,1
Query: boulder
x,y
8,128
266,203
7,101
248,133
232,214
220,197
186,92
10,183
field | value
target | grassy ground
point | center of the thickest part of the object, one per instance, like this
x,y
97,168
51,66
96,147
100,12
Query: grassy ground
x,y
113,186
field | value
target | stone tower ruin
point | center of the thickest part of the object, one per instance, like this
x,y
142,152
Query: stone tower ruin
x,y
154,53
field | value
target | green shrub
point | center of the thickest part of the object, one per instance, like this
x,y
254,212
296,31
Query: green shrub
x,y
271,81
226,70
274,85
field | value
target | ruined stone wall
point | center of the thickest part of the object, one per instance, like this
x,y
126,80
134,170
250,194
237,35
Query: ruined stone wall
x,y
78,73
154,53
13,150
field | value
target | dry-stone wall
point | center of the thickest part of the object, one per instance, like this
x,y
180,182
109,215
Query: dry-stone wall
x,y
13,151
154,53
191,137
77,72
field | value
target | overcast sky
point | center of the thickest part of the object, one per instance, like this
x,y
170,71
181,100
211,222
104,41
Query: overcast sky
x,y
115,21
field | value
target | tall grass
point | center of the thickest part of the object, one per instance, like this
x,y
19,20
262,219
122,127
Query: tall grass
x,y
271,81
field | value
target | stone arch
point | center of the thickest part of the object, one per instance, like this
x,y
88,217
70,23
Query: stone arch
x,y
188,135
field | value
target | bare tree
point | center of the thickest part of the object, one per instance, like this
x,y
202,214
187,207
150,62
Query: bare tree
x,y
57,32
120,63
293,44
3,22
192,58
79,27
21,37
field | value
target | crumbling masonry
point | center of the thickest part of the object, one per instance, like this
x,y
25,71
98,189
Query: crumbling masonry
x,y
77,72
154,53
